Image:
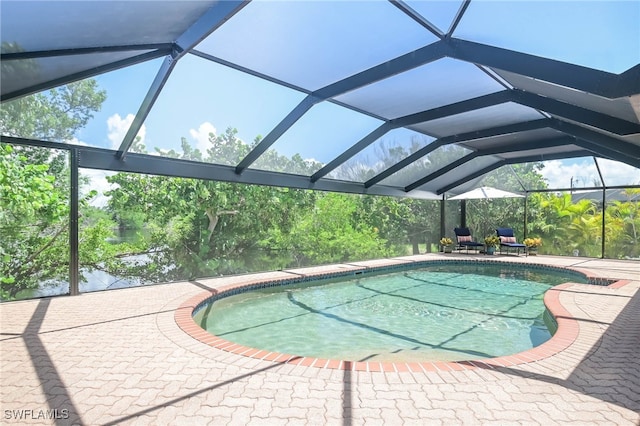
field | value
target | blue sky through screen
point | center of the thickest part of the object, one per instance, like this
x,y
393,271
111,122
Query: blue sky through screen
x,y
202,97
598,34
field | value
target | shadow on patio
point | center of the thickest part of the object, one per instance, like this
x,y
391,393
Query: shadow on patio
x,y
611,370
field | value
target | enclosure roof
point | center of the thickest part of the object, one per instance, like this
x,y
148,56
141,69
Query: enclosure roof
x,y
412,98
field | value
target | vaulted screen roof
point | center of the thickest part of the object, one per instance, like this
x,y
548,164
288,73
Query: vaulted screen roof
x,y
351,96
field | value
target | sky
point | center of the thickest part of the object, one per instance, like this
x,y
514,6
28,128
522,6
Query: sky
x,y
202,97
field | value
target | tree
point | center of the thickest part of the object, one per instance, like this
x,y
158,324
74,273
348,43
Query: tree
x,y
34,185
485,215
54,116
623,226
32,224
201,228
331,232
204,228
34,227
401,221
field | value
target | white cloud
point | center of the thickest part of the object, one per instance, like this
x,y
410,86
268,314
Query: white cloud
x,y
615,173
118,127
98,182
201,136
76,141
312,161
159,152
561,174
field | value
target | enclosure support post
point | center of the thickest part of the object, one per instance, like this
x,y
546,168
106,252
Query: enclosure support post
x,y
526,197
604,204
604,208
463,213
442,212
73,226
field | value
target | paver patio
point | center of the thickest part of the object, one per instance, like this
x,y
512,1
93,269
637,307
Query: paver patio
x,y
118,357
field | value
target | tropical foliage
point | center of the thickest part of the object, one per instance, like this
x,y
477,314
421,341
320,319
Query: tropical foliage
x,y
446,241
532,242
35,192
196,228
492,240
570,228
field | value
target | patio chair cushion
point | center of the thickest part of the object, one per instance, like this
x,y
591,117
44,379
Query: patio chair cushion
x,y
508,239
505,232
470,244
462,232
464,238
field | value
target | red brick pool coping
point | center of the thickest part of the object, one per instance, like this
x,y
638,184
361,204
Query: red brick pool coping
x,y
566,334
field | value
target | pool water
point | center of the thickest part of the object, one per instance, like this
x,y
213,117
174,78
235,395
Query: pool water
x,y
445,312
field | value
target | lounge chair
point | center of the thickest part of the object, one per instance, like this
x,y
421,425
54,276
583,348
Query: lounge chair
x,y
465,240
508,240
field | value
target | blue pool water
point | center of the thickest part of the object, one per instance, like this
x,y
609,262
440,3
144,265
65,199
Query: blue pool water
x,y
445,312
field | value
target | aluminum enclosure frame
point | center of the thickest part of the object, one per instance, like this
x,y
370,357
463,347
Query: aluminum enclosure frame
x,y
594,131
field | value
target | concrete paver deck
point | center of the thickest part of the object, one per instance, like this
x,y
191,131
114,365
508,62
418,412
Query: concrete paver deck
x,y
118,357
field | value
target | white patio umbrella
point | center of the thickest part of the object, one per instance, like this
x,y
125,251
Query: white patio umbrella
x,y
485,192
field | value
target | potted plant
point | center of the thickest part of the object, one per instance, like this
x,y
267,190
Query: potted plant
x,y
492,241
532,245
446,244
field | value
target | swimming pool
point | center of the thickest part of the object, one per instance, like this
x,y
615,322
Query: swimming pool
x,y
452,311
